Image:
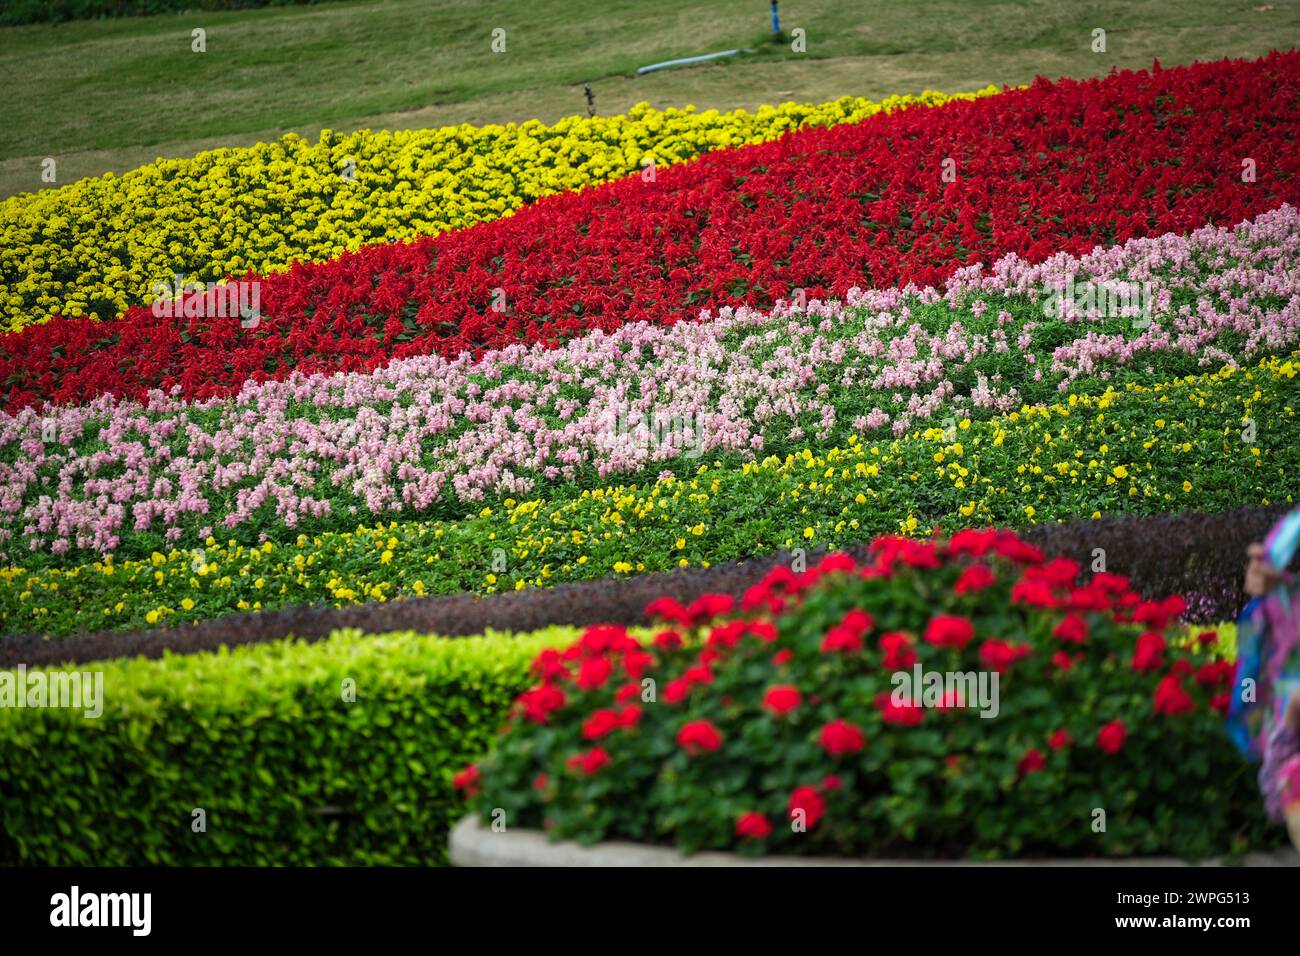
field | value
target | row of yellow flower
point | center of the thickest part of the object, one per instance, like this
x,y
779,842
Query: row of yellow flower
x,y
98,245
1209,442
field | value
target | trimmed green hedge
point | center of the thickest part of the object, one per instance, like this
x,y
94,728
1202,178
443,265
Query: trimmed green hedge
x,y
53,11
261,739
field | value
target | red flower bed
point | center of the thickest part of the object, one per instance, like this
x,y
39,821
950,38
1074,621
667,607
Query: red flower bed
x,y
947,725
1057,167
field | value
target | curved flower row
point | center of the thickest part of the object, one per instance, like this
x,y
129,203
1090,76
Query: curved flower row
x,y
1207,442
98,246
429,433
805,718
1054,168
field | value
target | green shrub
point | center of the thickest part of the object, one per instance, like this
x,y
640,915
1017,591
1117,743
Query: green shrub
x,y
261,739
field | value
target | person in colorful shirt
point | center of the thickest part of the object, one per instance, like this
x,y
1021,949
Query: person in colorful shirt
x,y
1264,717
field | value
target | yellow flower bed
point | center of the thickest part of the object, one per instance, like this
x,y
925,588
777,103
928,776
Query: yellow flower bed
x,y
99,245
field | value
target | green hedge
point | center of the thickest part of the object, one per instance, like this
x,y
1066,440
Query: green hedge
x,y
53,11
261,739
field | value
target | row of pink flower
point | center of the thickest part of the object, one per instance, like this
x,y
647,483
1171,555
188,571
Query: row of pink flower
x,y
425,430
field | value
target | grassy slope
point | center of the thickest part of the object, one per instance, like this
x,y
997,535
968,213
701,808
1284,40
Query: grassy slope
x,y
109,95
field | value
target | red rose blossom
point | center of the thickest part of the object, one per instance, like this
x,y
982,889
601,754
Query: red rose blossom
x,y
782,699
468,780
699,736
1073,629
839,737
594,672
1149,654
666,609
858,621
1171,698
668,640
538,703
839,639
1111,737
588,762
708,606
636,663
973,542
898,651
905,715
806,805
1031,762
975,578
698,674
753,826
599,724
998,655
676,691
948,630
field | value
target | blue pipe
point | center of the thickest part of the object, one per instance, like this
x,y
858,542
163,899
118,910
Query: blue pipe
x,y
682,62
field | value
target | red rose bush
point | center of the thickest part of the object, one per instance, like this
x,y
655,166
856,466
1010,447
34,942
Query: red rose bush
x,y
791,722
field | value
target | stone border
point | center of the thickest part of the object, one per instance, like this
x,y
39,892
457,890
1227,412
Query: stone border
x,y
473,845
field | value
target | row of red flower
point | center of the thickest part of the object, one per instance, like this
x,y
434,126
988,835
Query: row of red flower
x,y
899,198
1047,585
608,659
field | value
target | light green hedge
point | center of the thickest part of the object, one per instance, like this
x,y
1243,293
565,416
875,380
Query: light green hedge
x,y
262,740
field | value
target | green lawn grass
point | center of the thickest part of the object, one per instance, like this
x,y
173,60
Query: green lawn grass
x,y
110,94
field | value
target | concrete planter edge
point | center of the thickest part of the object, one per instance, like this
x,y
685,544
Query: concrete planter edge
x,y
473,845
